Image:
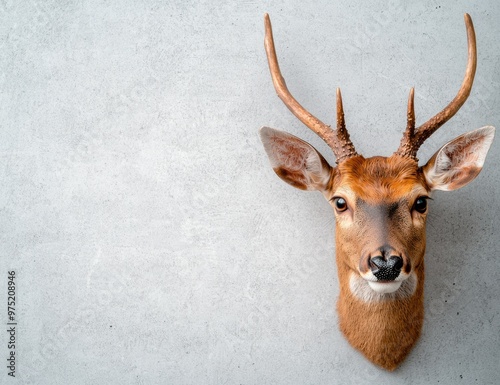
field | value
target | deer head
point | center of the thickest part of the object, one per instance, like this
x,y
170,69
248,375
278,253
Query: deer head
x,y
380,207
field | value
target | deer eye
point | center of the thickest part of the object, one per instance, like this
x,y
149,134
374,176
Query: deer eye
x,y
420,205
340,204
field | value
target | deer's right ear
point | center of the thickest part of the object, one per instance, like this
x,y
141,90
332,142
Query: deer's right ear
x,y
295,161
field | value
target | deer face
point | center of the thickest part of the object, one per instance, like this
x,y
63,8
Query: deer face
x,y
379,203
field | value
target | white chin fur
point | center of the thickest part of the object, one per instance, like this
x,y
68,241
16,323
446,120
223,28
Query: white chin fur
x,y
370,291
385,287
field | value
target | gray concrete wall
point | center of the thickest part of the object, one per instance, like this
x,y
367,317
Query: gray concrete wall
x,y
151,241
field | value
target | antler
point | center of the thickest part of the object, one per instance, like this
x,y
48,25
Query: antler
x,y
413,139
338,140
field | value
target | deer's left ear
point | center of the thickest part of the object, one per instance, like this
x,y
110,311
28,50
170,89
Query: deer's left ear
x,y
458,162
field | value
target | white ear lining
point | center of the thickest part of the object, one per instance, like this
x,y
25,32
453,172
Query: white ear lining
x,y
294,160
459,161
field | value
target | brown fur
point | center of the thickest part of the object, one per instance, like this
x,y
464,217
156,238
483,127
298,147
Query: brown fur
x,y
378,179
295,178
463,176
384,332
379,218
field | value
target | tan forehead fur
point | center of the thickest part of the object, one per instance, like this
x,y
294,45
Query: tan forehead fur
x,y
379,178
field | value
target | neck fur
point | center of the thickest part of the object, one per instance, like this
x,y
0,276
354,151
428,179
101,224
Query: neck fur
x,y
384,327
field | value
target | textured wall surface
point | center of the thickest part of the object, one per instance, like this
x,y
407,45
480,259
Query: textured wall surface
x,y
152,242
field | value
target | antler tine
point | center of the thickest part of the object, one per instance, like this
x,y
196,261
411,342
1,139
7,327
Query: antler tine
x,y
347,148
428,128
325,132
340,112
405,148
410,122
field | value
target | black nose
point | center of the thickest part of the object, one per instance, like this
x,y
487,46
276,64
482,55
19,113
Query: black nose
x,y
386,270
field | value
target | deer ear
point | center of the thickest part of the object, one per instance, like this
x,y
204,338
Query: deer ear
x,y
458,162
295,161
